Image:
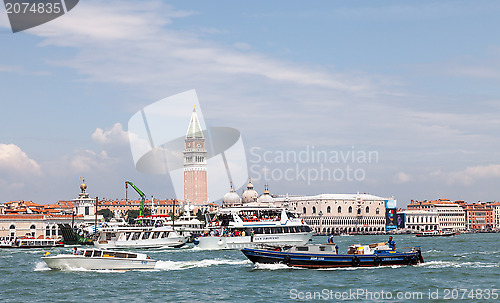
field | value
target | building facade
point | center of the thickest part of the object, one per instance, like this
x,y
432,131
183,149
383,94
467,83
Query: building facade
x,y
496,214
339,213
451,216
421,220
478,216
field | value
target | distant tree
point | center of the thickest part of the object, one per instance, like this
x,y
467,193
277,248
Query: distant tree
x,y
132,214
106,213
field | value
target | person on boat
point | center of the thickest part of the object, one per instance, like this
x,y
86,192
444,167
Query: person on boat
x,y
391,243
75,251
330,239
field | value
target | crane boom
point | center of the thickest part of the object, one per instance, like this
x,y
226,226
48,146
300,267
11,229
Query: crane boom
x,y
143,196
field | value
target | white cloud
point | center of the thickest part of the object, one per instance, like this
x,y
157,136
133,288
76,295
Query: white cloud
x,y
469,175
88,160
402,177
115,135
14,161
153,54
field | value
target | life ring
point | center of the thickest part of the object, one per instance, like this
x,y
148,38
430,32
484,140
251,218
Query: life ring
x,y
377,261
278,249
210,224
355,262
217,223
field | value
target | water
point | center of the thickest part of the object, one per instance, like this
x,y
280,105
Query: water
x,y
466,263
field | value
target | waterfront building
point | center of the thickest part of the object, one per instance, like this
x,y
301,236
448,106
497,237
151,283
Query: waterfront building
x,y
195,163
451,216
339,213
421,220
496,214
478,216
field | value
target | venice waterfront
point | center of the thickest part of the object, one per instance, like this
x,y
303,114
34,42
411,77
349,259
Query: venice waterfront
x,y
464,268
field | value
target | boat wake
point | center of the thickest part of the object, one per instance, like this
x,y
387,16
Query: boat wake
x,y
41,266
273,266
456,264
182,265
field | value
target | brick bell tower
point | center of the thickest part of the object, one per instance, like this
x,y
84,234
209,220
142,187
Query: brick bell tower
x,y
195,163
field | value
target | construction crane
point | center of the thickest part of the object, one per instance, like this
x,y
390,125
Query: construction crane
x,y
143,196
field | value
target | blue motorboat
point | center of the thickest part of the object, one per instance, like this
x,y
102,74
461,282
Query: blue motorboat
x,y
327,256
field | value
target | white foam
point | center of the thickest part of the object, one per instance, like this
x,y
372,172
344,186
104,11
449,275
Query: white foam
x,y
182,265
456,264
41,266
273,266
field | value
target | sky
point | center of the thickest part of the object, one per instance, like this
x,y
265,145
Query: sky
x,y
393,98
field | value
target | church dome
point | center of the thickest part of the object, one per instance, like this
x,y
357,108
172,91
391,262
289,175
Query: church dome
x,y
249,195
231,198
266,197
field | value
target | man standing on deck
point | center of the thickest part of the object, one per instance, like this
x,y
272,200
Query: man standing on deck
x,y
391,243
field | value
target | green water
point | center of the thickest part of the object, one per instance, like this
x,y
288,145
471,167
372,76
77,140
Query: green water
x,y
463,268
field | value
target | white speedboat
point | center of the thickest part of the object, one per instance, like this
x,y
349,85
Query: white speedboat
x,y
248,226
143,236
95,259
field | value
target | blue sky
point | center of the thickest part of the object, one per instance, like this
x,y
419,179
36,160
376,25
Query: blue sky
x,y
416,81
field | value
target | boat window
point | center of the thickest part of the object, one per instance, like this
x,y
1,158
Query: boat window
x,y
258,230
146,235
165,234
108,236
323,248
128,236
280,230
286,230
88,253
302,248
97,253
156,234
136,235
266,230
307,228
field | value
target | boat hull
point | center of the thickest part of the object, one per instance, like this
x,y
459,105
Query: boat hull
x,y
252,242
308,260
65,262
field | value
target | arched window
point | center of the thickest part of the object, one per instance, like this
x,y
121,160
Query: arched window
x,y
53,230
367,210
328,209
47,231
339,210
304,210
350,209
377,211
314,209
359,211
12,226
33,230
